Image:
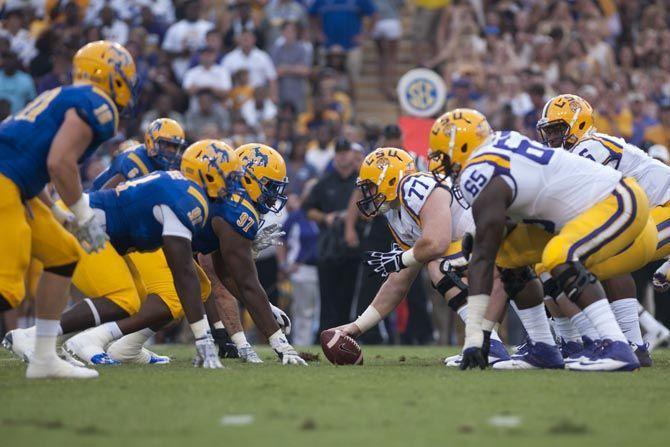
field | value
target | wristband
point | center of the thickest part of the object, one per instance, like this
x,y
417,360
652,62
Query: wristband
x,y
277,339
407,258
81,209
368,319
474,336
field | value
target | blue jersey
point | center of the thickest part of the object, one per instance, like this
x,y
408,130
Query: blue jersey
x,y
129,209
131,163
25,138
239,212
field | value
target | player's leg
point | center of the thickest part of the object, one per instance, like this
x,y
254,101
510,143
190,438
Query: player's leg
x,y
526,292
596,235
90,345
59,252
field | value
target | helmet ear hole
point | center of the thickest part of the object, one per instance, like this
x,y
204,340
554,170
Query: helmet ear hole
x,y
209,178
581,125
392,181
464,148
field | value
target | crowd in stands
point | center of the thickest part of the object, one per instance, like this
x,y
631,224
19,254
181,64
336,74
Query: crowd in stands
x,y
286,72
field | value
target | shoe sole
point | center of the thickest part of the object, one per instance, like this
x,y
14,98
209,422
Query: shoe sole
x,y
596,367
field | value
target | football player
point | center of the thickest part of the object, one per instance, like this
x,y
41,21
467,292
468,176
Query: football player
x,y
567,122
590,211
214,165
427,222
45,142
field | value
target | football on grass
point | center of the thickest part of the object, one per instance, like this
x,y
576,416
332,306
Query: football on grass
x,y
340,348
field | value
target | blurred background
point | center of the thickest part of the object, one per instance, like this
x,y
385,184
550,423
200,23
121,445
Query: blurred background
x,y
316,79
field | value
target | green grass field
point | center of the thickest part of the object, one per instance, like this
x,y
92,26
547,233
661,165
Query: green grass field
x,y
402,396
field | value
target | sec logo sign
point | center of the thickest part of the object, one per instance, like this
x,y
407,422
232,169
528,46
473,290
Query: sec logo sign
x,y
421,92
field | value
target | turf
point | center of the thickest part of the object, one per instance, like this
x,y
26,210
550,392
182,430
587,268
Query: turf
x,y
402,396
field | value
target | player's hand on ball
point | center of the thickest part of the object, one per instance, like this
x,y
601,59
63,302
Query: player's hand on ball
x,y
477,357
207,354
282,319
385,263
349,329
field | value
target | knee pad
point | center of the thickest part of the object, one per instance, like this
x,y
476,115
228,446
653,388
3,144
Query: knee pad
x,y
551,288
514,280
66,270
574,280
451,279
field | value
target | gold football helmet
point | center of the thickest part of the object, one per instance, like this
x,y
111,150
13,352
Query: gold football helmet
x,y
212,164
165,141
565,120
263,176
108,66
453,138
379,177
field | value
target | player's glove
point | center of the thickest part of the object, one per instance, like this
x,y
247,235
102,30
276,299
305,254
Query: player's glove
x,y
267,237
227,349
660,278
206,353
91,233
286,353
282,319
475,357
385,263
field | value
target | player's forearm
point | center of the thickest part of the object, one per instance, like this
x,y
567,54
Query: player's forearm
x,y
390,294
64,175
254,298
428,249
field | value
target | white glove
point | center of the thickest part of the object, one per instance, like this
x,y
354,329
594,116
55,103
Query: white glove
x,y
282,319
385,263
660,278
284,350
91,234
267,237
63,216
206,353
89,227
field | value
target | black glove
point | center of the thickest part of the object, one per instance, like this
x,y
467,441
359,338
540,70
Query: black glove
x,y
227,349
477,357
467,244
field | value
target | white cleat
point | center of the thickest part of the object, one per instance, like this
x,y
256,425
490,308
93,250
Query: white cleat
x,y
654,339
514,364
57,368
89,348
126,353
20,342
453,361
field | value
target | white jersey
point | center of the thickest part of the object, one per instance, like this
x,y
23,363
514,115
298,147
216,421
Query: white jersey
x,y
652,175
413,192
550,187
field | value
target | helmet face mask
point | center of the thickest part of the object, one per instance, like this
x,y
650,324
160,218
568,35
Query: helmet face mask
x,y
272,196
442,168
373,201
168,152
554,133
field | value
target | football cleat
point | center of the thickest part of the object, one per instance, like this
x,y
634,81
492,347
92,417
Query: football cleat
x,y
58,369
642,354
570,348
497,353
88,348
588,348
537,356
120,352
522,349
248,355
20,342
656,338
227,349
608,356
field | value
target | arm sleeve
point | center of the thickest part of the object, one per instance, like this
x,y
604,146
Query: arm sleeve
x,y
172,226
